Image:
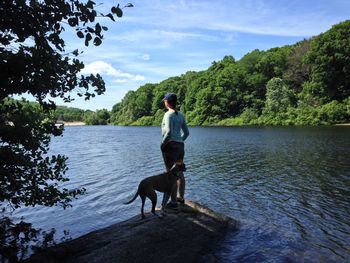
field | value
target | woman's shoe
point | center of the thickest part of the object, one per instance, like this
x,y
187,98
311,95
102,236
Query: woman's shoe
x,y
172,205
180,200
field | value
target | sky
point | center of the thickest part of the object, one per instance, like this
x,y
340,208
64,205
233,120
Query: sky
x,y
158,39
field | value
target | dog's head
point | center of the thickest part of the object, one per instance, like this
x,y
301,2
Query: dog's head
x,y
177,168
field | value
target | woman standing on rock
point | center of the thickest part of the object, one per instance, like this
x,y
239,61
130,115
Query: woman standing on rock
x,y
173,143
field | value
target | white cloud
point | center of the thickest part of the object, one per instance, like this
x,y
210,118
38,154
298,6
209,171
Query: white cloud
x,y
158,39
104,68
264,17
146,57
119,81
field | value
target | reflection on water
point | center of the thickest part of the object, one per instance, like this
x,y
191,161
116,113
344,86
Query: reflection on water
x,y
288,187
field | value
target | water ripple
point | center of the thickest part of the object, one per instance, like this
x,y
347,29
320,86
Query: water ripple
x,y
288,187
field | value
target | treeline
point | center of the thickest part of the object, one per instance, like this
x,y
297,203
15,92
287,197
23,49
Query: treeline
x,y
307,83
69,114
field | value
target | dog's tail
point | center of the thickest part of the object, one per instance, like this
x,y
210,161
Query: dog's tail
x,y
133,199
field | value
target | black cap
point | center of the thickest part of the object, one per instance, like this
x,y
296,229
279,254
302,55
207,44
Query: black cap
x,y
170,97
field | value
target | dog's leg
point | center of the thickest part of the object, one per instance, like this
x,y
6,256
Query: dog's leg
x,y
165,201
143,198
181,183
153,196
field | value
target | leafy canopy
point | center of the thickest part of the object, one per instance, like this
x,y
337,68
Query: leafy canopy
x,y
33,60
293,84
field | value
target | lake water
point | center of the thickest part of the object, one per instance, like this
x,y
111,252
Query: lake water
x,y
288,187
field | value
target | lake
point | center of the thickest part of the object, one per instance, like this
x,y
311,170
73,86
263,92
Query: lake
x,y
289,187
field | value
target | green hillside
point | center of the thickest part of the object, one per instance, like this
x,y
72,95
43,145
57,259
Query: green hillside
x,y
307,83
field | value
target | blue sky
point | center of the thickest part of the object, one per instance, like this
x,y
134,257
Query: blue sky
x,y
158,39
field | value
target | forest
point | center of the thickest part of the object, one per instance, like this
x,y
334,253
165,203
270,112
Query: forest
x,y
70,114
307,83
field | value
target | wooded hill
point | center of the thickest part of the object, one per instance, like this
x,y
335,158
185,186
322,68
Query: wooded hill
x,y
307,83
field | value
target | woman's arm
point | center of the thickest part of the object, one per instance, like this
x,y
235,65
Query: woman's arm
x,y
166,129
185,130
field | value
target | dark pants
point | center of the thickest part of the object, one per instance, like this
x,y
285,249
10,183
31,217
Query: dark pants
x,y
174,152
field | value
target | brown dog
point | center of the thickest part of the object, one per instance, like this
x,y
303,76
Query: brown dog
x,y
165,182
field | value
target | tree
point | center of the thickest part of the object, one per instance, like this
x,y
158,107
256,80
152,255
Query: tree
x,y
33,60
329,56
100,117
278,100
298,70
64,113
250,82
278,96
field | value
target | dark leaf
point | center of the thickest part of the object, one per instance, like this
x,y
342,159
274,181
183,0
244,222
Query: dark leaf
x,y
75,52
88,36
129,5
110,16
90,29
98,29
119,12
92,16
90,4
80,34
97,41
72,22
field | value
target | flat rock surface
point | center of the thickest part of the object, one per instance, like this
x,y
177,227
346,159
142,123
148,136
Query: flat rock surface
x,y
188,234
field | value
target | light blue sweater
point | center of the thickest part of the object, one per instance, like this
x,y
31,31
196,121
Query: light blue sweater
x,y
172,125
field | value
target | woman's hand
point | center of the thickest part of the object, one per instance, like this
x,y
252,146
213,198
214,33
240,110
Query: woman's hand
x,y
162,146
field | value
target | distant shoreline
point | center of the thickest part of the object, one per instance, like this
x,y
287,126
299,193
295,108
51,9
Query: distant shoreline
x,y
80,123
342,124
71,123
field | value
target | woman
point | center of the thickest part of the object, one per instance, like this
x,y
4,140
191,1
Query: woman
x,y
173,143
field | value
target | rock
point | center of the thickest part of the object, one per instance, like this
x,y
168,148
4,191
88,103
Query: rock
x,y
188,234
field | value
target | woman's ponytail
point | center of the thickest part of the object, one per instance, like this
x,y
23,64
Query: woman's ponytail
x,y
173,106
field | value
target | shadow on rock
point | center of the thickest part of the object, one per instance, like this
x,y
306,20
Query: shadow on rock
x,y
191,233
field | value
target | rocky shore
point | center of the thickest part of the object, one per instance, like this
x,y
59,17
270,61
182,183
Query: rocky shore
x,y
190,233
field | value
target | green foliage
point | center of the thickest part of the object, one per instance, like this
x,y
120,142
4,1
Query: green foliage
x,y
144,121
100,117
278,97
69,114
298,70
33,60
40,67
158,117
329,113
249,116
290,85
347,106
332,112
236,121
329,56
28,175
17,239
